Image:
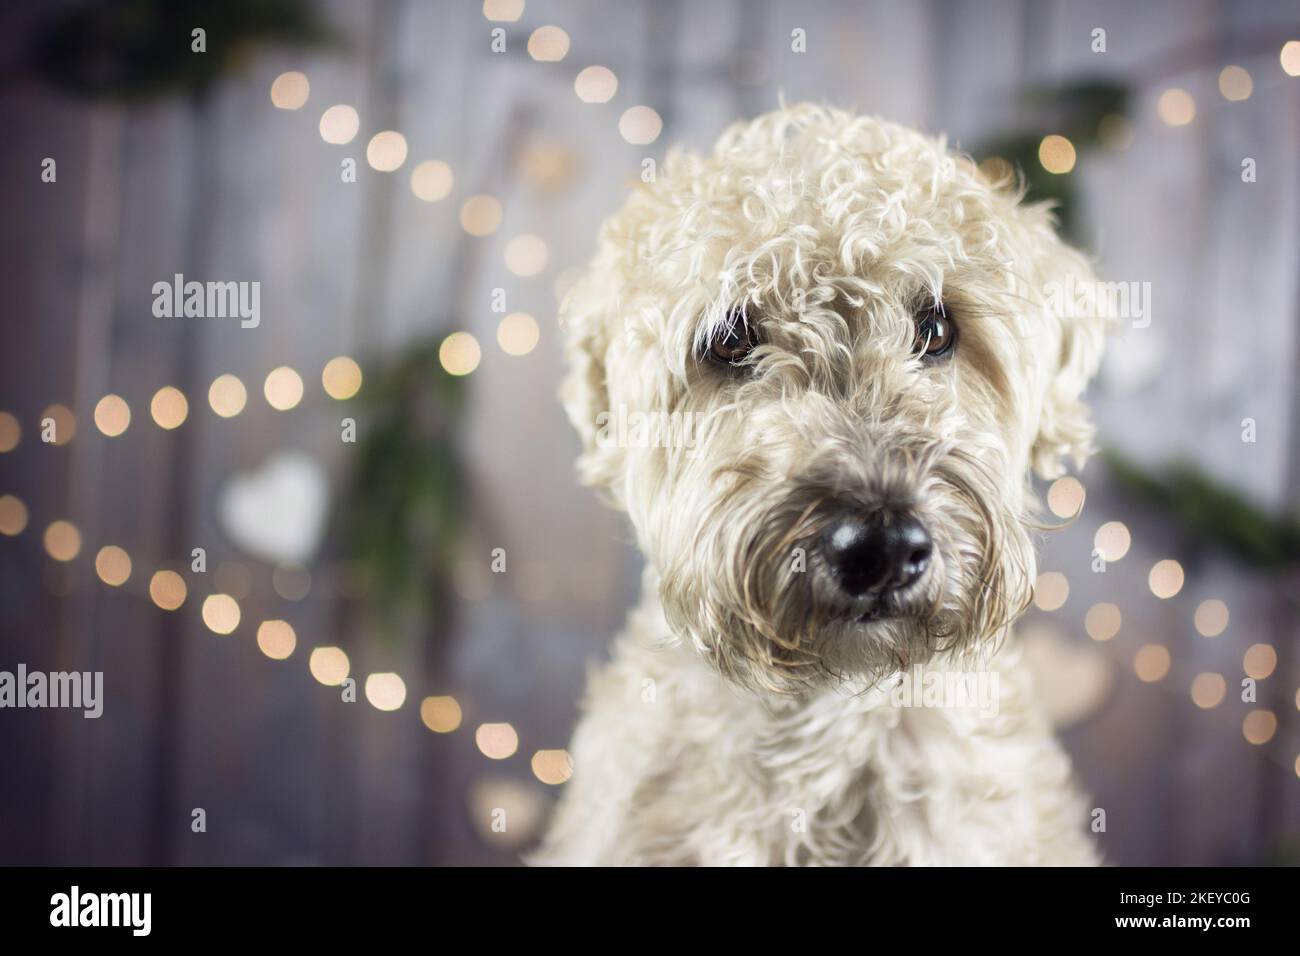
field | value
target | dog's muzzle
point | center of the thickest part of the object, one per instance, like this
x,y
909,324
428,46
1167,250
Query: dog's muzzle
x,y
877,553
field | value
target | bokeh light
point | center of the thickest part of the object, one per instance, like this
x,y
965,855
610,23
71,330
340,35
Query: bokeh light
x,y
596,84
518,333
1065,497
289,91
62,540
341,377
1112,540
442,715
1152,662
10,432
1259,661
504,11
283,388
496,741
1211,618
13,515
386,151
1051,591
1166,578
432,180
1176,107
65,423
227,396
112,415
169,407
276,639
1208,690
526,255
459,353
167,590
1259,727
1057,154
221,613
339,124
640,125
1290,57
113,565
552,767
548,44
481,215
1235,83
386,691
1102,622
329,665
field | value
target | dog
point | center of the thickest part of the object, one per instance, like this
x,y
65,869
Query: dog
x,y
853,317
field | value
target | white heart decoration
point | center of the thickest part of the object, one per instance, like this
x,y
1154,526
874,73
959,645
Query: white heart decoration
x,y
277,513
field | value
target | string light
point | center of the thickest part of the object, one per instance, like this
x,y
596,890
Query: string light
x,y
552,767
62,540
518,333
1065,497
432,180
1102,622
169,407
1056,153
283,388
65,423
386,151
442,715
289,91
13,515
341,378
113,565
480,215
1166,578
496,741
339,124
596,84
329,665
548,44
167,590
1211,618
459,353
227,396
10,432
276,639
1260,661
1208,690
1176,107
1152,663
1051,591
640,125
221,613
385,691
1235,83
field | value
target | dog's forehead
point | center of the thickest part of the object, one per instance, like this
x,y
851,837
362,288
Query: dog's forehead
x,y
806,189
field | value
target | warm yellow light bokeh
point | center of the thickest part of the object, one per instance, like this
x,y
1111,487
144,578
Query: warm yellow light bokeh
x,y
496,741
341,377
167,590
290,90
62,540
481,215
552,767
1065,497
1051,590
329,665
1102,622
276,639
548,44
1152,663
227,396
640,125
169,407
113,565
1166,578
1211,618
596,84
442,715
339,124
283,388
432,180
386,691
459,353
221,613
1176,107
518,333
112,415
1057,154
386,151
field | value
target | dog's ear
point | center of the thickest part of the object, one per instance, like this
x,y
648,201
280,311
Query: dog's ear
x,y
1074,307
587,315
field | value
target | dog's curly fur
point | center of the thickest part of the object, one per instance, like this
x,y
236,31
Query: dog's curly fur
x,y
745,717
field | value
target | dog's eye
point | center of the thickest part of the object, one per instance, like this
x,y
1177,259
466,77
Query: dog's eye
x,y
733,341
935,333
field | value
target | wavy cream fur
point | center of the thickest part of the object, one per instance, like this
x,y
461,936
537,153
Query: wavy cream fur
x,y
745,717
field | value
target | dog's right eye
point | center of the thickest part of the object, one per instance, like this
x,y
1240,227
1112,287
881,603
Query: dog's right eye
x,y
733,341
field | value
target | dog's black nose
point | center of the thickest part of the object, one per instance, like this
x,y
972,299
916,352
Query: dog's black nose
x,y
882,551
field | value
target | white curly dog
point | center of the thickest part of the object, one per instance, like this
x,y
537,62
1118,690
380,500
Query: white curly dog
x,y
816,368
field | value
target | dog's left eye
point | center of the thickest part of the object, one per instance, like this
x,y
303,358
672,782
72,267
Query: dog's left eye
x,y
733,341
935,333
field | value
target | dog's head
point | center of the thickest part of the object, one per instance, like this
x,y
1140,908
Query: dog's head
x,y
816,368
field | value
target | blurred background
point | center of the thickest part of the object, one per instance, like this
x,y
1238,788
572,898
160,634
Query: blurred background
x,y
412,184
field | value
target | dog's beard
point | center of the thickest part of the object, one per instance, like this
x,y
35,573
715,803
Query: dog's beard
x,y
749,587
